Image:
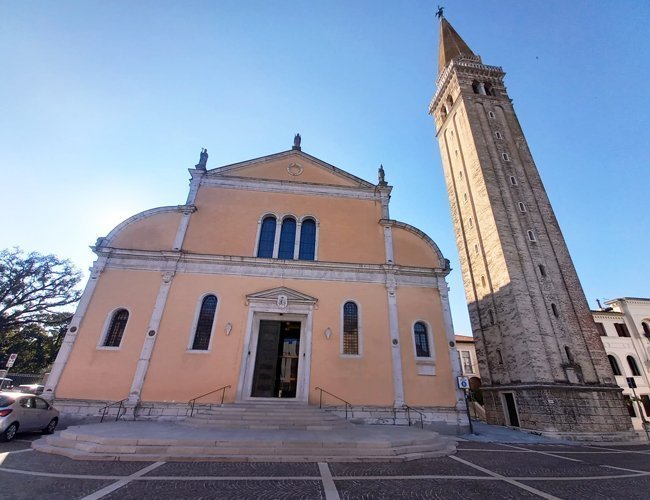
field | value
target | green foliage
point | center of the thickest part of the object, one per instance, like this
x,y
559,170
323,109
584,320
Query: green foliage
x,y
33,290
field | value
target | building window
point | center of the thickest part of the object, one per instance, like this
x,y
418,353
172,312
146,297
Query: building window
x,y
483,281
307,240
470,222
287,238
491,114
460,174
421,337
498,135
634,368
522,207
614,364
116,328
350,329
505,156
569,356
204,323
475,248
513,180
646,332
466,362
267,238
475,86
621,329
601,329
499,357
542,270
555,312
531,235
630,406
456,153
465,196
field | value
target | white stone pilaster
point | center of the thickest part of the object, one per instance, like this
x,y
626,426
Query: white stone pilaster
x,y
395,349
451,342
150,339
388,244
197,174
188,210
73,330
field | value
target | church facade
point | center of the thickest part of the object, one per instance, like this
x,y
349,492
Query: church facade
x,y
279,277
543,366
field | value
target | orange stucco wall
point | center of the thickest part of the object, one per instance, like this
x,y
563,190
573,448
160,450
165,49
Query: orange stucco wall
x,y
277,170
226,224
156,232
411,250
93,373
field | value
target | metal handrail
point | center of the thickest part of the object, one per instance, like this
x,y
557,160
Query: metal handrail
x,y
119,410
192,402
408,415
347,403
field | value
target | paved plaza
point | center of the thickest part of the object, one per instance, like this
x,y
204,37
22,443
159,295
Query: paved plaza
x,y
477,470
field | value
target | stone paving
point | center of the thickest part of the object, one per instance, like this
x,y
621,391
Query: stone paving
x,y
477,470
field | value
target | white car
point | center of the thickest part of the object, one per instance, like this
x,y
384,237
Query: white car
x,y
20,412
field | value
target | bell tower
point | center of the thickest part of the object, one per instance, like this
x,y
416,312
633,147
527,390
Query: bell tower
x,y
542,363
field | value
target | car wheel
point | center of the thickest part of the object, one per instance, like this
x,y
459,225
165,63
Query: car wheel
x,y
9,433
51,426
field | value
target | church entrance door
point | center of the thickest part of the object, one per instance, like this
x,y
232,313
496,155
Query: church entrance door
x,y
275,372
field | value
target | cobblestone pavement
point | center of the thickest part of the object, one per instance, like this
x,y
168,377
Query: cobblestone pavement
x,y
478,470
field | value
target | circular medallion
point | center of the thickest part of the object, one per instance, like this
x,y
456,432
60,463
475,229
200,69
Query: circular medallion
x,y
295,169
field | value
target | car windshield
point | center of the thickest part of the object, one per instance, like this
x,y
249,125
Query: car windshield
x,y
5,400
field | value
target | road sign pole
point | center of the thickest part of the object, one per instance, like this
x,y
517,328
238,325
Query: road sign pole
x,y
469,417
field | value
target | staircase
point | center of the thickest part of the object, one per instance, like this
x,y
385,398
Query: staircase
x,y
267,415
248,432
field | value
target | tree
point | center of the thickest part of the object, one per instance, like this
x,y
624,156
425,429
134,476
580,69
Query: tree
x,y
33,289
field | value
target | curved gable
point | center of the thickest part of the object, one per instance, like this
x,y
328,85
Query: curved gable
x,y
153,229
412,247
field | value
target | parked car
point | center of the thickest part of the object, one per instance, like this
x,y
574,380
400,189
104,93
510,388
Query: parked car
x,y
6,384
20,412
31,388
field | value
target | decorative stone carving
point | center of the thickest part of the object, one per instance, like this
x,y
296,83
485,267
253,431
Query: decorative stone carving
x,y
283,301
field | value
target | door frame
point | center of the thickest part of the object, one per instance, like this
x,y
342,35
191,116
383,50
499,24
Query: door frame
x,y
281,311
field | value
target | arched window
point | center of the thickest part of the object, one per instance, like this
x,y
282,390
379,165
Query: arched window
x,y
421,340
475,87
522,207
307,240
488,89
542,270
615,368
203,329
555,311
450,102
646,329
350,328
287,238
634,368
116,329
531,235
267,237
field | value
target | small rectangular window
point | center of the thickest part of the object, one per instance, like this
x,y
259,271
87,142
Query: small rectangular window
x,y
601,329
498,135
466,361
513,181
621,329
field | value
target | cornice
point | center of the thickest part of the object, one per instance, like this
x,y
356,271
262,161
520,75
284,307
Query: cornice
x,y
272,268
302,188
423,236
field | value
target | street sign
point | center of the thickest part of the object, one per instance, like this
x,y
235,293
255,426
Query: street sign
x,y
631,383
463,383
11,360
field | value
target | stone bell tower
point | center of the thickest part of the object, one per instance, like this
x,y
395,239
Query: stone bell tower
x,y
542,363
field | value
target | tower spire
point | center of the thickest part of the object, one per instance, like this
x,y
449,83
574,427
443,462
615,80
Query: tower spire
x,y
451,45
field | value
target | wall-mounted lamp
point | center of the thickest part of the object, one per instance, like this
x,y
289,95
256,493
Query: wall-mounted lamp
x,y
228,328
328,333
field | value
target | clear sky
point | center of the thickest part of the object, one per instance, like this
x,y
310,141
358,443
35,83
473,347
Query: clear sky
x,y
105,104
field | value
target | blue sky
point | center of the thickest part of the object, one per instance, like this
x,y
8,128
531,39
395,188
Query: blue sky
x,y
104,106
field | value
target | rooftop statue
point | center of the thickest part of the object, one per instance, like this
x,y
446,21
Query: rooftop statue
x,y
203,159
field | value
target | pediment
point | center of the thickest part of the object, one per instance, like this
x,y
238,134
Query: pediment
x,y
290,166
281,295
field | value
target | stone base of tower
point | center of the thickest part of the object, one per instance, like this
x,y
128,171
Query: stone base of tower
x,y
583,413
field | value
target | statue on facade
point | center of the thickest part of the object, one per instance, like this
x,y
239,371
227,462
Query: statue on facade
x,y
382,176
203,159
296,142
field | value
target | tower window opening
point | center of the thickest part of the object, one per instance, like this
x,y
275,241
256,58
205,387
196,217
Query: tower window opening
x,y
460,174
522,207
505,156
513,180
470,222
555,312
491,317
646,332
498,135
488,89
531,236
475,248
483,281
569,356
499,356
465,196
542,270
491,114
476,87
